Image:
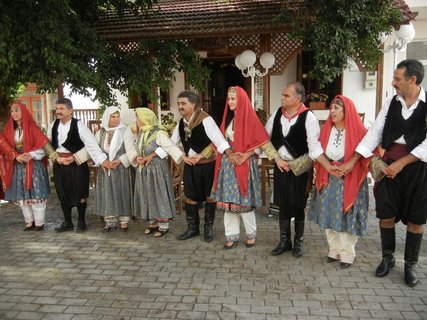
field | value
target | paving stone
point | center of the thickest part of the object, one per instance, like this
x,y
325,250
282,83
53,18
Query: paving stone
x,y
128,276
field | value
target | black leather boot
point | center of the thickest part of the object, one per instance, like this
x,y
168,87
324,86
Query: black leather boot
x,y
412,250
193,221
210,208
285,243
298,238
388,244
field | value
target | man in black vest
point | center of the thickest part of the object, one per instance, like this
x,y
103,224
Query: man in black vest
x,y
73,141
401,128
294,131
196,131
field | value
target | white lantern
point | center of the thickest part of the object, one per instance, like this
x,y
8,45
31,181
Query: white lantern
x,y
406,32
267,60
248,58
238,63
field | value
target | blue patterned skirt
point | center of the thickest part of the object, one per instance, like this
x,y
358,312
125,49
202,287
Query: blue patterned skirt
x,y
227,189
326,208
38,192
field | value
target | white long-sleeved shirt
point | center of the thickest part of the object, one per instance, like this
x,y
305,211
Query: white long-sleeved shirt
x,y
374,135
311,127
85,134
212,131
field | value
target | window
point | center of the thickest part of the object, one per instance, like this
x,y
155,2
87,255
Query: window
x,y
418,50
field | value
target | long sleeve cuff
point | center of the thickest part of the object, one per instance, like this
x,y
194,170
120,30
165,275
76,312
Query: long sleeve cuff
x,y
224,146
270,151
364,151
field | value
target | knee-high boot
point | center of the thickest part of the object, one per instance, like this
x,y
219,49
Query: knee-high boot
x,y
298,238
285,243
412,250
193,221
210,208
388,244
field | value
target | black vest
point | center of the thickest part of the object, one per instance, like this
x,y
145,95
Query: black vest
x,y
73,143
296,139
198,139
413,129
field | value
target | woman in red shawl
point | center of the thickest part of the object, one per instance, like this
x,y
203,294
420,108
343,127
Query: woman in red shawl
x,y
236,186
6,152
26,181
340,202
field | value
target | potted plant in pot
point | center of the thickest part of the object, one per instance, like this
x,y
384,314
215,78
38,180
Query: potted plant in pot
x,y
317,101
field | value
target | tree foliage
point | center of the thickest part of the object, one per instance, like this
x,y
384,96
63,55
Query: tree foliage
x,y
340,29
53,41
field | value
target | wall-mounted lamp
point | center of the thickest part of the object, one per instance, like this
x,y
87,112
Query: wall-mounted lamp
x,y
245,62
404,35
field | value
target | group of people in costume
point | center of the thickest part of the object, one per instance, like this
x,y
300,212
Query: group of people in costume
x,y
221,169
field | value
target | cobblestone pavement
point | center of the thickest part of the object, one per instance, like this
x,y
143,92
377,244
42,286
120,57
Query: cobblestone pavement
x,y
118,275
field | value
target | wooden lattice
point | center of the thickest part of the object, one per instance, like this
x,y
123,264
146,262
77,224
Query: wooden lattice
x,y
284,49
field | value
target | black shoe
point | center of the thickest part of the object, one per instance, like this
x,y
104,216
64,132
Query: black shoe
x,y
30,227
39,228
330,259
190,233
64,227
411,278
384,267
81,226
283,246
235,243
345,265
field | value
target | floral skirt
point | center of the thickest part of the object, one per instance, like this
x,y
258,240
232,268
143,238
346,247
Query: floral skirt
x,y
38,192
326,208
227,192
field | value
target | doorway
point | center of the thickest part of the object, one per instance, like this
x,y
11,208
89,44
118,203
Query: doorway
x,y
223,75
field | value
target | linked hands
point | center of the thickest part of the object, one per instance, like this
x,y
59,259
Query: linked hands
x,y
283,165
23,157
145,161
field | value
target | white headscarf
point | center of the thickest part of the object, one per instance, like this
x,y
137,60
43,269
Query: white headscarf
x,y
118,132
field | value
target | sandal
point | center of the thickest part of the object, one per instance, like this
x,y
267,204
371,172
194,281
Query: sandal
x,y
249,243
151,229
160,233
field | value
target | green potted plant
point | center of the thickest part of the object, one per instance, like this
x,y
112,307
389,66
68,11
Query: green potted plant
x,y
317,101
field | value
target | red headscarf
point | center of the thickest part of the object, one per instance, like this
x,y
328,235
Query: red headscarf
x,y
249,134
354,132
33,139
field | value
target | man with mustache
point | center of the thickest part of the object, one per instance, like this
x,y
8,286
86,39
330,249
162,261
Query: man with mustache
x,y
402,194
74,142
196,131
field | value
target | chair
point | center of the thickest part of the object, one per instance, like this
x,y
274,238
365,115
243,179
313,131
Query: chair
x,y
176,173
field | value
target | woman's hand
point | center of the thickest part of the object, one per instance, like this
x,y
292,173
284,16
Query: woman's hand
x,y
333,170
114,164
243,156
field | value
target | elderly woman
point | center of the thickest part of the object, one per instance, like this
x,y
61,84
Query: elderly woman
x,y
26,181
114,186
339,202
236,186
154,197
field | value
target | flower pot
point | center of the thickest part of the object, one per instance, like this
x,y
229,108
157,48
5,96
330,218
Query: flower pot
x,y
317,105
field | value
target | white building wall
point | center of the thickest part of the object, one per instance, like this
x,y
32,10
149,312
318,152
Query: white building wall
x,y
278,82
364,99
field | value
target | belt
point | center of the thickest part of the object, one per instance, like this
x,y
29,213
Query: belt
x,y
65,154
